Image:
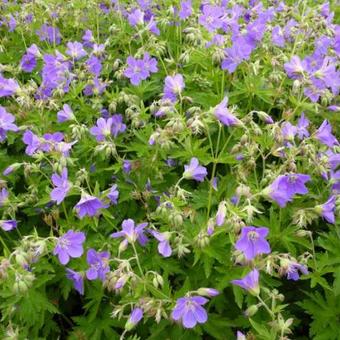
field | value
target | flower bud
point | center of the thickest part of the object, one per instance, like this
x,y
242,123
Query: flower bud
x,y
250,311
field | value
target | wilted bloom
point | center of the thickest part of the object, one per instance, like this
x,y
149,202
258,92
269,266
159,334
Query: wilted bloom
x,y
327,210
65,114
250,282
189,311
164,247
102,129
284,187
194,170
75,50
292,269
113,194
132,233
69,245
62,186
252,242
8,87
78,280
325,136
88,205
134,319
222,113
173,86
6,123
99,264
8,225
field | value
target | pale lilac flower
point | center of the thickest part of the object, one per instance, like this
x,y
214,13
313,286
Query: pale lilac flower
x,y
221,213
185,9
94,65
278,37
8,225
65,114
6,123
88,38
88,206
75,50
288,131
222,113
240,336
195,171
325,136
210,292
62,184
150,64
302,126
173,86
69,245
295,68
189,311
136,70
99,264
164,247
102,129
136,17
117,125
250,282
77,279
32,141
127,166
49,33
8,87
132,233
211,17
113,194
28,62
252,242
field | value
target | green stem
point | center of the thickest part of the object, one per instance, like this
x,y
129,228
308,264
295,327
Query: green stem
x,y
137,259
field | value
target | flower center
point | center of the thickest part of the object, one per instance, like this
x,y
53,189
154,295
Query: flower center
x,y
253,236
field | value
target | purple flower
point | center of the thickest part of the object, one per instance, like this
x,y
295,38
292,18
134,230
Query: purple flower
x,y
78,280
284,187
8,87
293,271
127,166
136,70
88,38
240,336
117,125
277,36
69,245
135,317
75,50
28,62
210,292
113,194
252,242
173,86
62,184
94,65
136,17
6,123
99,264
8,225
302,126
65,114
189,311
3,196
221,213
102,129
325,136
295,68
222,113
132,233
185,10
288,131
327,210
164,247
211,17
250,282
32,141
150,64
97,87
194,170
49,33
88,206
